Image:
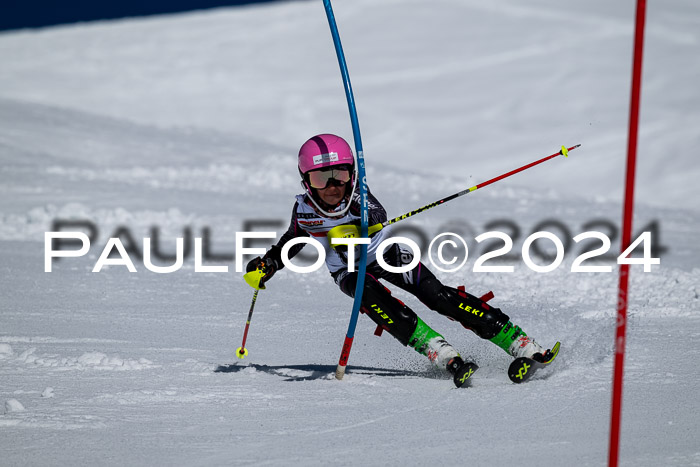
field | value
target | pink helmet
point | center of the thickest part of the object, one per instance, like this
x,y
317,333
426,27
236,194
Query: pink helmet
x,y
323,151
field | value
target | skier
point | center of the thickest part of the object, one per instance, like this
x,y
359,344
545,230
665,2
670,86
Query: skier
x,y
329,177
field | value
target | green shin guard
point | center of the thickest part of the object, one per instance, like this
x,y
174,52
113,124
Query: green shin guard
x,y
421,336
507,336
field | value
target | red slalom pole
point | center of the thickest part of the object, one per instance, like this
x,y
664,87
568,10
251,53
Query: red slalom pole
x,y
618,369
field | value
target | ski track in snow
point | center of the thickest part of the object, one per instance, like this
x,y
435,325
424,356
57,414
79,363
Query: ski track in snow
x,y
119,368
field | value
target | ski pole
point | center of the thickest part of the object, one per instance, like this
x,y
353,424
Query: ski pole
x,y
241,352
351,231
563,151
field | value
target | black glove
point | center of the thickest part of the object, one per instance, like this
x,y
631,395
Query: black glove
x,y
269,264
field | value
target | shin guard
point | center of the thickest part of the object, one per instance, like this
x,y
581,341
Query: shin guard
x,y
473,313
388,312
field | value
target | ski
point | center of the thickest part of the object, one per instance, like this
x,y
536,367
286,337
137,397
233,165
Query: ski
x,y
523,368
461,371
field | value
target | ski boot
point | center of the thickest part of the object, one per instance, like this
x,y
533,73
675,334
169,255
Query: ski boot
x,y
431,344
525,346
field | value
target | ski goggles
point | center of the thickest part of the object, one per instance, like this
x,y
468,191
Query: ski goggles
x,y
321,179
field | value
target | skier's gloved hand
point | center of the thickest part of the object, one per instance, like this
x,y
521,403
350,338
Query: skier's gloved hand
x,y
268,264
254,264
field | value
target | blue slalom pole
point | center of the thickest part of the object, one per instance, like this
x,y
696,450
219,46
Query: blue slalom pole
x,y
364,215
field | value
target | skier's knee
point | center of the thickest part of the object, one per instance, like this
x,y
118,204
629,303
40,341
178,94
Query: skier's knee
x,y
473,313
388,312
346,281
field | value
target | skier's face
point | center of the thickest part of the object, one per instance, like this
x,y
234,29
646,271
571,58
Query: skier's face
x,y
332,194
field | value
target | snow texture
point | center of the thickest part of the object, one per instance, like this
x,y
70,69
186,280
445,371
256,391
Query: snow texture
x,y
188,126
13,405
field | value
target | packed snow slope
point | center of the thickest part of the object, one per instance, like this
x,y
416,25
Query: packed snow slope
x,y
473,83
188,126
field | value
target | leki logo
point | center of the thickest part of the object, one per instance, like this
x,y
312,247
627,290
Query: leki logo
x,y
523,370
382,314
469,309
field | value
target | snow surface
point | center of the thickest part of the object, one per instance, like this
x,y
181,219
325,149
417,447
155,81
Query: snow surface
x,y
192,121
